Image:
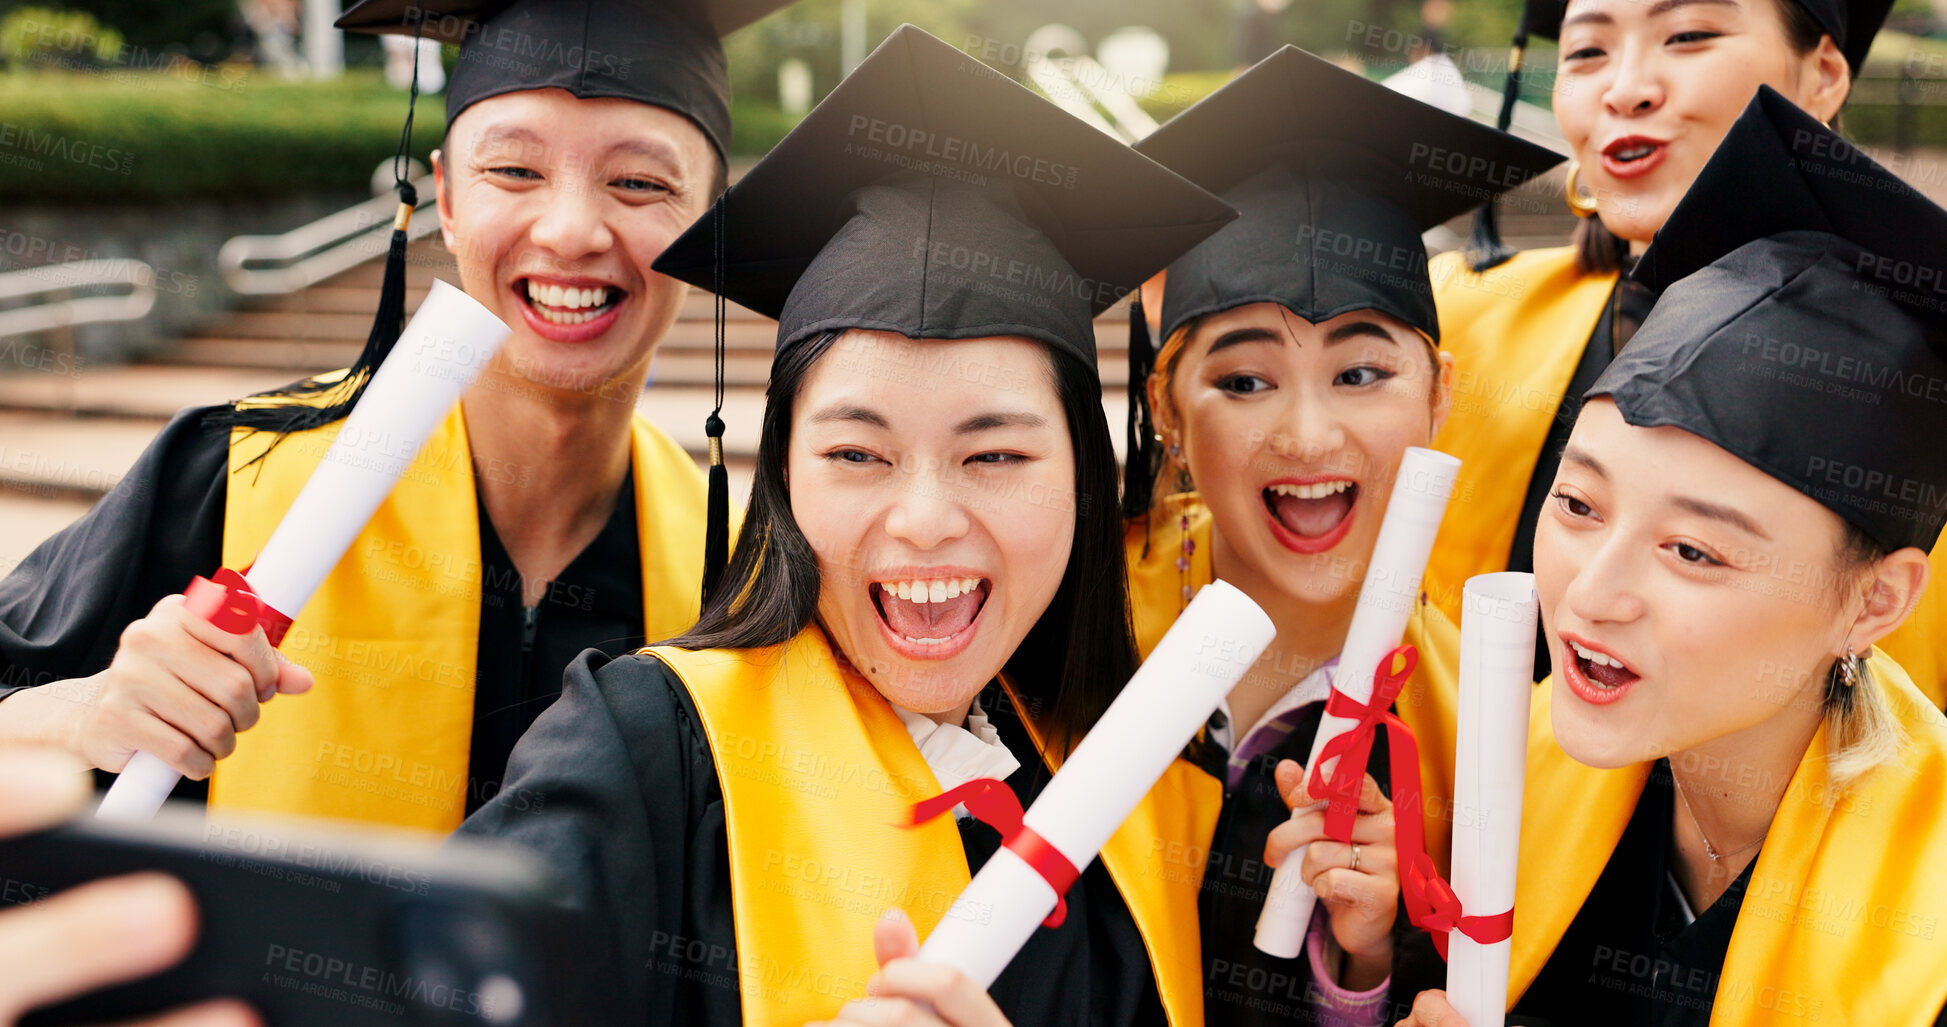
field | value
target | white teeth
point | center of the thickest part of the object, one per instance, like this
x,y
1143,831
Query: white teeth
x,y
574,317
930,591
1599,659
566,298
1317,491
924,641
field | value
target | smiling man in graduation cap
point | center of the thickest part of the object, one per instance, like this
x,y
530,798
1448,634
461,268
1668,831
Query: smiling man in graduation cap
x,y
1733,804
544,516
927,590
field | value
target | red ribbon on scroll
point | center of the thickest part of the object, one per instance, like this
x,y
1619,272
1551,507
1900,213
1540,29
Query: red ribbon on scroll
x,y
1431,903
993,803
225,600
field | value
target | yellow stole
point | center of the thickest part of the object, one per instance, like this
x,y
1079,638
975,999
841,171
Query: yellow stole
x,y
817,774
1846,915
1428,704
1920,643
1516,333
392,633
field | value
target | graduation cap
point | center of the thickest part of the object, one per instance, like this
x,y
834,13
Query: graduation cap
x,y
933,196
1852,24
665,53
1335,179
1803,326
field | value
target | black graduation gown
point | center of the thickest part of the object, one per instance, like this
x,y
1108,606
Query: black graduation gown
x,y
616,789
63,609
1628,959
1243,985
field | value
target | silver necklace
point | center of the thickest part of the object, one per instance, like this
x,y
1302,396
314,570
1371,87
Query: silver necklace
x,y
1709,850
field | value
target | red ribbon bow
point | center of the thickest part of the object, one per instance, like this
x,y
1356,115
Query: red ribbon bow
x,y
225,600
1431,904
1440,907
993,803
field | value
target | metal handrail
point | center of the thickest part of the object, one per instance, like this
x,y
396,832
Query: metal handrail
x,y
1532,121
1122,107
66,311
309,254
1062,90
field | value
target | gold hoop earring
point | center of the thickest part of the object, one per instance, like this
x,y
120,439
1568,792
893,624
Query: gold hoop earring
x,y
1581,207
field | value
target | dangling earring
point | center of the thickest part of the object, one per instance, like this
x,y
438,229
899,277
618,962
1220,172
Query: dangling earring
x,y
1183,561
1843,680
1182,469
1847,669
1582,208
1188,545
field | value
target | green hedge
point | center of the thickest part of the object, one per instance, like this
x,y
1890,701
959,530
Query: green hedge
x,y
197,131
222,131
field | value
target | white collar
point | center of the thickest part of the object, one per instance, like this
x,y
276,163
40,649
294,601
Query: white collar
x,y
957,755
1315,687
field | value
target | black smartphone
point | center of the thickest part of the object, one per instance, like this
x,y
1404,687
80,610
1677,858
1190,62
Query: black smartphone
x,y
319,924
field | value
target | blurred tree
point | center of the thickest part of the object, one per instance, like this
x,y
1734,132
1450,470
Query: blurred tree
x,y
204,30
48,37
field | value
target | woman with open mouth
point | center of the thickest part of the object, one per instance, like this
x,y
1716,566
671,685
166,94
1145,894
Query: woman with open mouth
x,y
1299,361
928,589
1733,808
1643,92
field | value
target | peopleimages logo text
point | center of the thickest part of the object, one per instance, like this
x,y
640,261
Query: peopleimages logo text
x,y
953,149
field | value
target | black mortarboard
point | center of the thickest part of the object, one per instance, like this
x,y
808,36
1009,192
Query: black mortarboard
x,y
933,196
664,53
1802,326
1335,178
1852,24
660,52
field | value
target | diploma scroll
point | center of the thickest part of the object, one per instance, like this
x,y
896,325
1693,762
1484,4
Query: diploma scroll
x,y
439,354
1497,659
1386,600
1205,653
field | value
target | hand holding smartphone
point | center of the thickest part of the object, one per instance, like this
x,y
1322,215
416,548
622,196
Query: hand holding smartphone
x,y
317,924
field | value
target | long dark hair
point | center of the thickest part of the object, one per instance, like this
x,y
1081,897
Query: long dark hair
x,y
1075,658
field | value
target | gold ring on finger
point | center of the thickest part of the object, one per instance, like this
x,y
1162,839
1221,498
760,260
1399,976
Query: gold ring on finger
x,y
1355,857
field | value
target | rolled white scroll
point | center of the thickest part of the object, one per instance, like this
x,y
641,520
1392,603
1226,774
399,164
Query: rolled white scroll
x,y
1497,661
440,353
1204,654
1386,600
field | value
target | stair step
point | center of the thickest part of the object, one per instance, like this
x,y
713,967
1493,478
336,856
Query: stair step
x,y
52,467
147,391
